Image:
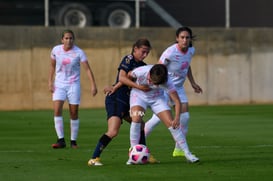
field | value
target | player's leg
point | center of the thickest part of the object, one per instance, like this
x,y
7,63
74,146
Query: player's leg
x,y
151,124
154,120
177,134
74,96
74,124
184,116
58,124
114,124
142,139
115,112
59,96
184,121
138,106
137,113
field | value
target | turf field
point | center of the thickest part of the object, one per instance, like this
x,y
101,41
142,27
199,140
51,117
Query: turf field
x,y
234,143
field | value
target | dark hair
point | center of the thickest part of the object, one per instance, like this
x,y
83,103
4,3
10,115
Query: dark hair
x,y
159,74
185,28
141,42
68,31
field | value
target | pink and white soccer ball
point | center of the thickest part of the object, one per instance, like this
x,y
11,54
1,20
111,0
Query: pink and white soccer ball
x,y
139,154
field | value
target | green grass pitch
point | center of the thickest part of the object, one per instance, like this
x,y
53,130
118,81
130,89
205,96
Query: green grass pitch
x,y
234,143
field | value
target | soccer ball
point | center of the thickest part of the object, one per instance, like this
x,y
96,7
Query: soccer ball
x,y
139,154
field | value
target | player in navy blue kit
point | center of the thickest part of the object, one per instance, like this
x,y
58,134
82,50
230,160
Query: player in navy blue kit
x,y
117,98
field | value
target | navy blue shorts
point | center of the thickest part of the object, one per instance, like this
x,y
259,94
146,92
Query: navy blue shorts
x,y
116,107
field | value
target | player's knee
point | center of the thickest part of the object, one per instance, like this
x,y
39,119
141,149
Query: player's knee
x,y
112,133
137,115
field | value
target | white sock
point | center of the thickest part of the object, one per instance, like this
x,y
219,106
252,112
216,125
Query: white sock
x,y
184,122
135,133
151,124
179,139
59,127
74,126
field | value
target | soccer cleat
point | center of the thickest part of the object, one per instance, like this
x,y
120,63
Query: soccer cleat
x,y
129,162
191,158
59,144
178,152
94,162
73,144
153,160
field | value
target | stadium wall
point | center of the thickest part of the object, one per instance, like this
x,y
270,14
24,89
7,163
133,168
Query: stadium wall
x,y
233,66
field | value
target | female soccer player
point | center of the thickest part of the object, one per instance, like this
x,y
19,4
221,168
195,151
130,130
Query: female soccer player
x,y
156,77
177,58
66,59
117,98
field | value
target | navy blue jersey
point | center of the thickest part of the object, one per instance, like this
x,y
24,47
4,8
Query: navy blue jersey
x,y
117,104
127,64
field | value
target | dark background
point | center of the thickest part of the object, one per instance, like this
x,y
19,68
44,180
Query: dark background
x,y
194,13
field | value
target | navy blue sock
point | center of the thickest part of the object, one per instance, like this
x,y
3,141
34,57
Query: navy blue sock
x,y
102,143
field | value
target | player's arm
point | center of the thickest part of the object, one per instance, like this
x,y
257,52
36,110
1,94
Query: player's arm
x,y
111,89
175,98
195,86
128,79
91,77
166,61
51,75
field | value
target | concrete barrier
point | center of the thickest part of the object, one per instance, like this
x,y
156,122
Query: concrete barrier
x,y
233,66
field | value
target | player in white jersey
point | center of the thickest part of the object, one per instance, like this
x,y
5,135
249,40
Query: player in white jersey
x,y
177,58
156,78
66,59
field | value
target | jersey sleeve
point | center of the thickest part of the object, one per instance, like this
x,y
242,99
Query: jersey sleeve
x,y
135,73
126,63
82,55
166,55
53,53
170,86
192,50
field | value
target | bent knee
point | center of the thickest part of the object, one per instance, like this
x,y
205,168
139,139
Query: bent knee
x,y
112,134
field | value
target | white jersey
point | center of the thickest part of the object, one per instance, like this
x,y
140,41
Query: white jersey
x,y
177,63
141,74
67,64
154,98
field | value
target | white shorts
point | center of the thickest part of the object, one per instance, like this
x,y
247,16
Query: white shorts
x,y
71,93
157,105
182,95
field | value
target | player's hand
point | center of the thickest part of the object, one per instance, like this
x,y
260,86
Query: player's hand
x,y
108,89
197,88
51,88
144,88
175,123
94,91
